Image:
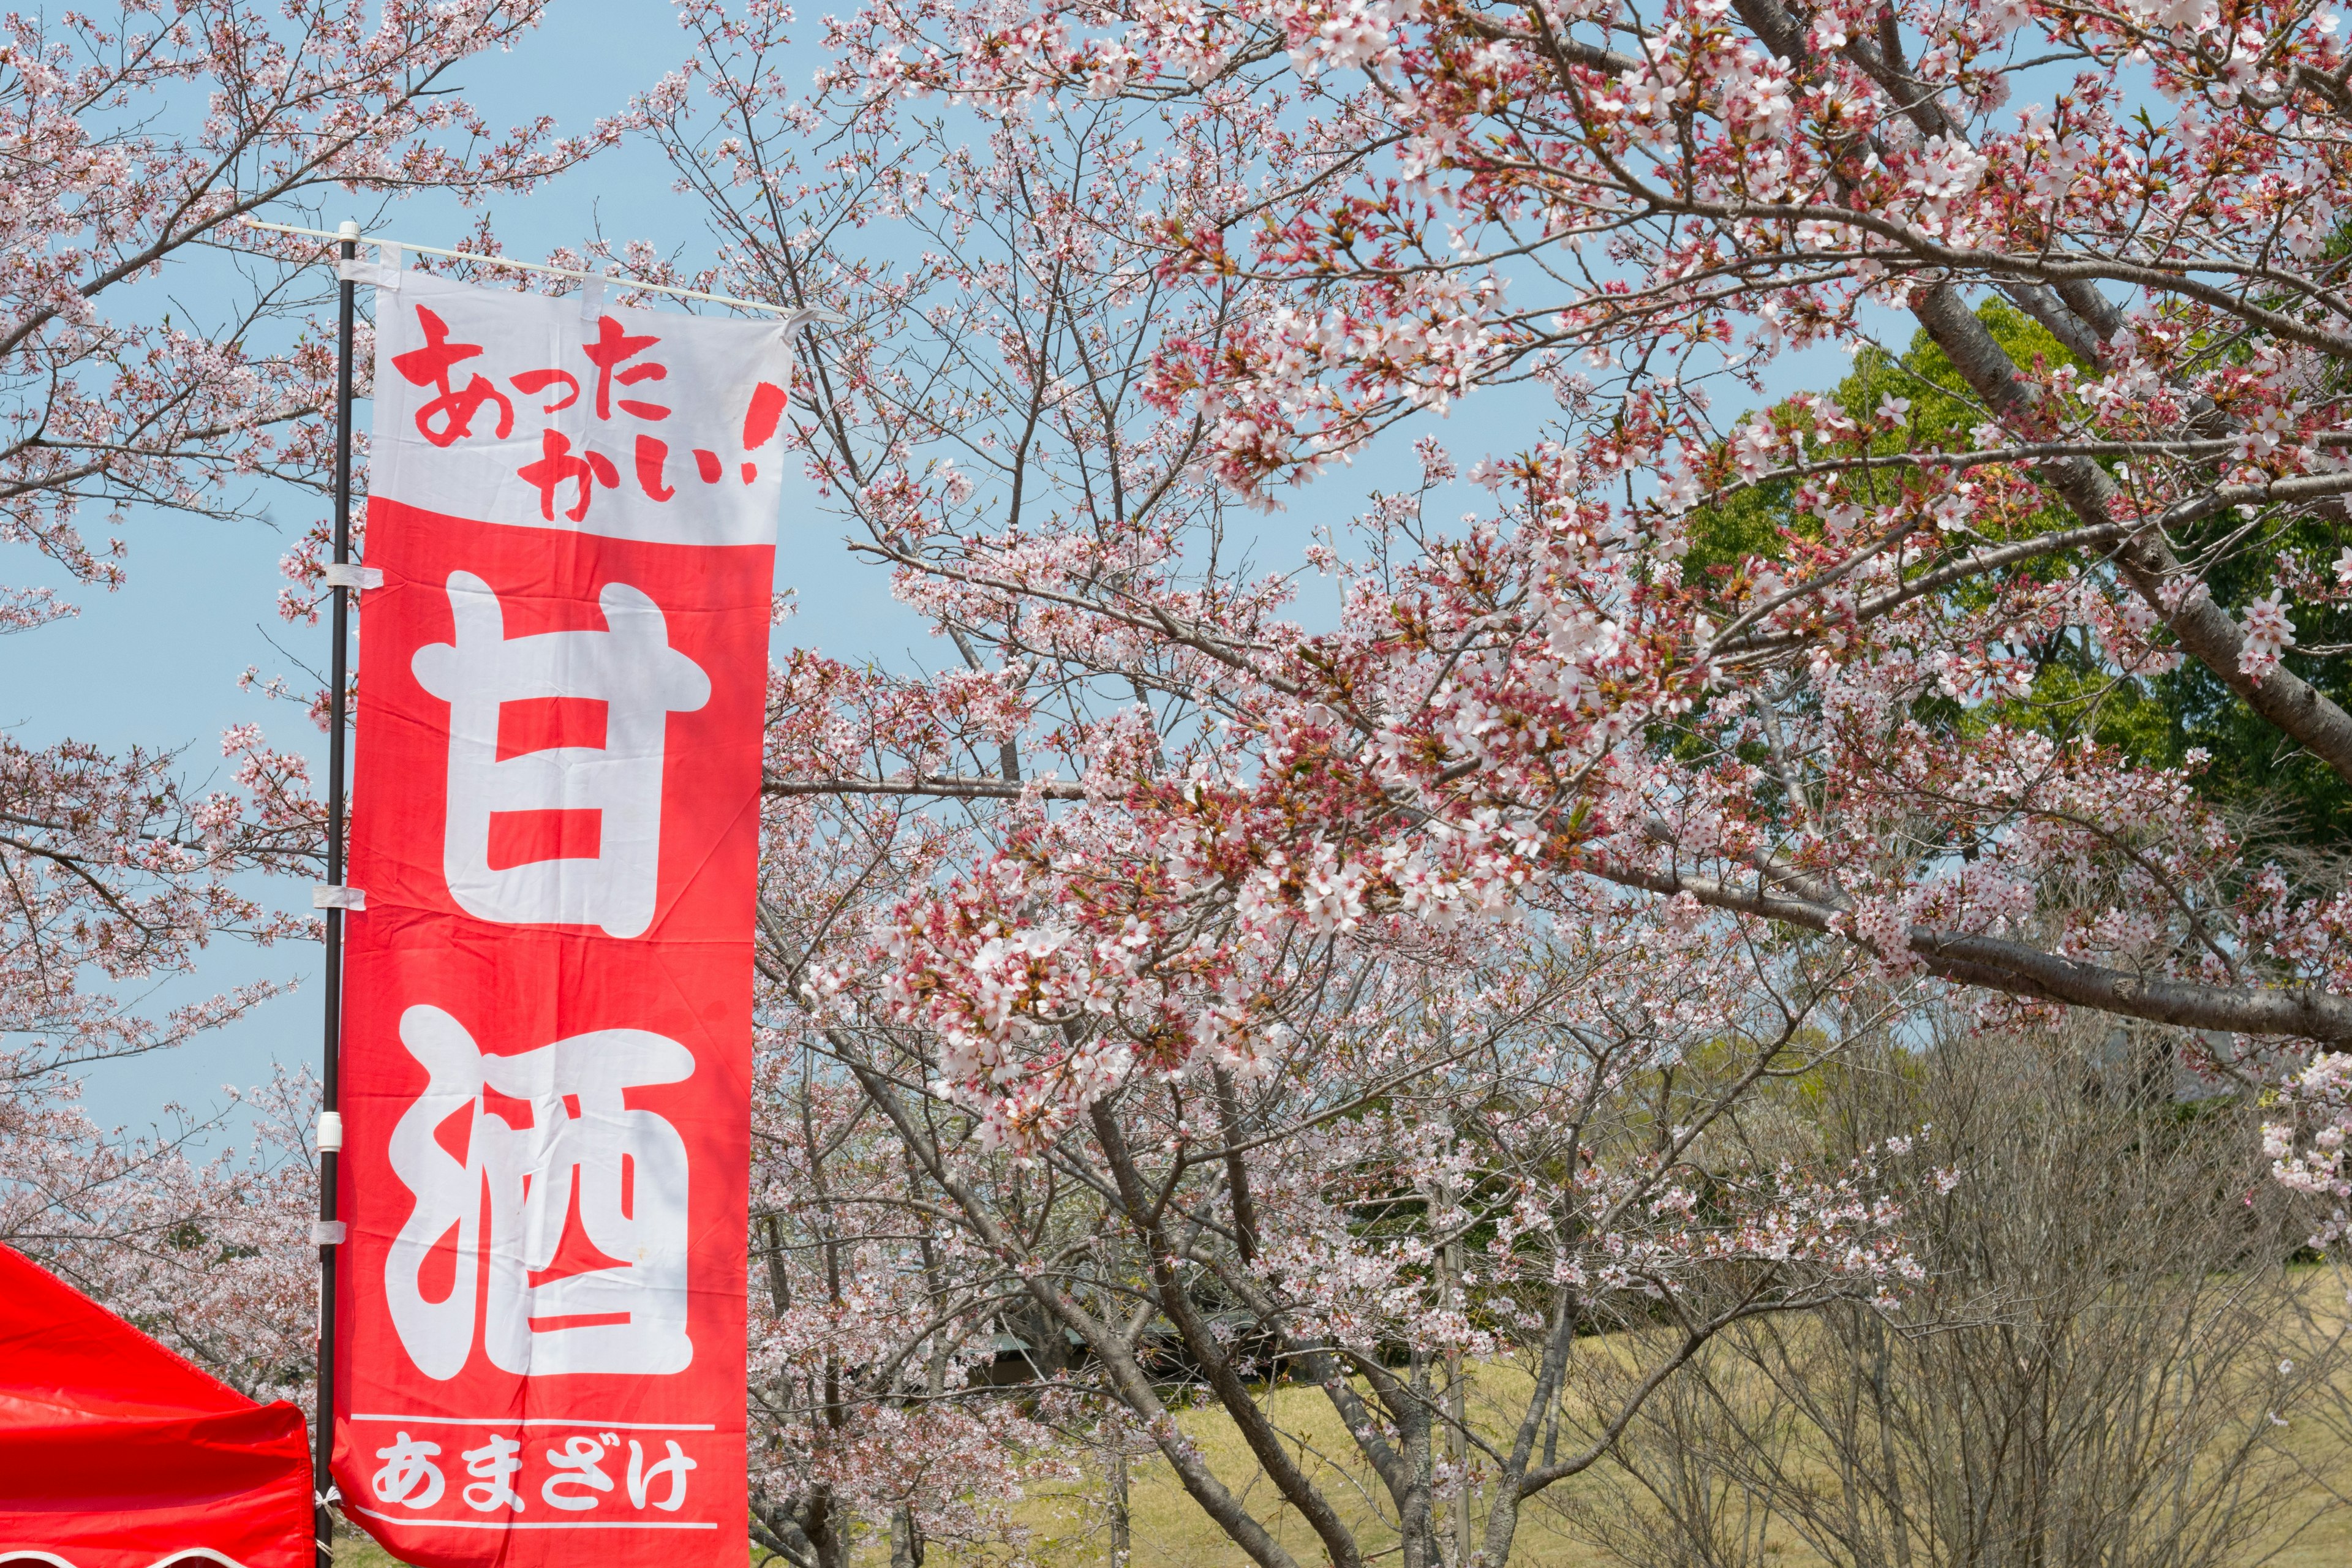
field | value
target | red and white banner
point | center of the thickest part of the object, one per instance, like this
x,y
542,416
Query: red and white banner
x,y
547,1030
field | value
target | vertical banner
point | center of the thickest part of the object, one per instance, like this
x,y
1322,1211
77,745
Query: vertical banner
x,y
547,1036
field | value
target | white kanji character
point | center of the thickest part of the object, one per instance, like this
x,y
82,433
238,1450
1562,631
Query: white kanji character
x,y
568,833
493,1465
577,1465
408,1465
642,1476
585,1249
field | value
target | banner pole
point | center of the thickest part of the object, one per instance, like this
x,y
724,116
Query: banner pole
x,y
331,1132
631,284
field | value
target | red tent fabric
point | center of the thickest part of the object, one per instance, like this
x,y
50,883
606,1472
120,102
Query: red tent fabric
x,y
115,1452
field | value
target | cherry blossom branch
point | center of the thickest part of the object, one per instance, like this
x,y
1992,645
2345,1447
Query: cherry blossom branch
x,y
2019,969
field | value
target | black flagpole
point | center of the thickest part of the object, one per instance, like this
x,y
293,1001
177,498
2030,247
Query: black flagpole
x,y
328,1231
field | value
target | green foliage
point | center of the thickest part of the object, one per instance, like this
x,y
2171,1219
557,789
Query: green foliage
x,y
2287,796
1746,523
1753,521
2254,768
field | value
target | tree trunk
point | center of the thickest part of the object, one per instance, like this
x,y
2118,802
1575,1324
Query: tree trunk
x,y
906,1540
1119,1540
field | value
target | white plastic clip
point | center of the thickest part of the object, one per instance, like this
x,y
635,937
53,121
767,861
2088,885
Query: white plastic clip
x,y
592,299
383,272
369,273
327,1232
351,574
331,1132
327,896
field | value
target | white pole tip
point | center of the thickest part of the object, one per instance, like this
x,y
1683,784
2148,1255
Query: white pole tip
x,y
348,229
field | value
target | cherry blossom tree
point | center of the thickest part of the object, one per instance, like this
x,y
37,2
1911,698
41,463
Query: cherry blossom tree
x,y
136,140
202,1251
874,1337
1205,1048
1307,961
1625,208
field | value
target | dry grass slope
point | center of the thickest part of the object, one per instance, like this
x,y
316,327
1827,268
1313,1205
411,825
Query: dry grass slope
x,y
1069,1530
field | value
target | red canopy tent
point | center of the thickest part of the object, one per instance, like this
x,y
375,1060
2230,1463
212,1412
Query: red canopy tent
x,y
115,1452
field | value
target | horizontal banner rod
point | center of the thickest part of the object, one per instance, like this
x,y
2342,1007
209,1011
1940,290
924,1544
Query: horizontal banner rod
x,y
816,315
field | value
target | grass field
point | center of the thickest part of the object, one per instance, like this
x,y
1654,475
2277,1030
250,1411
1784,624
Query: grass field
x,y
1068,1528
